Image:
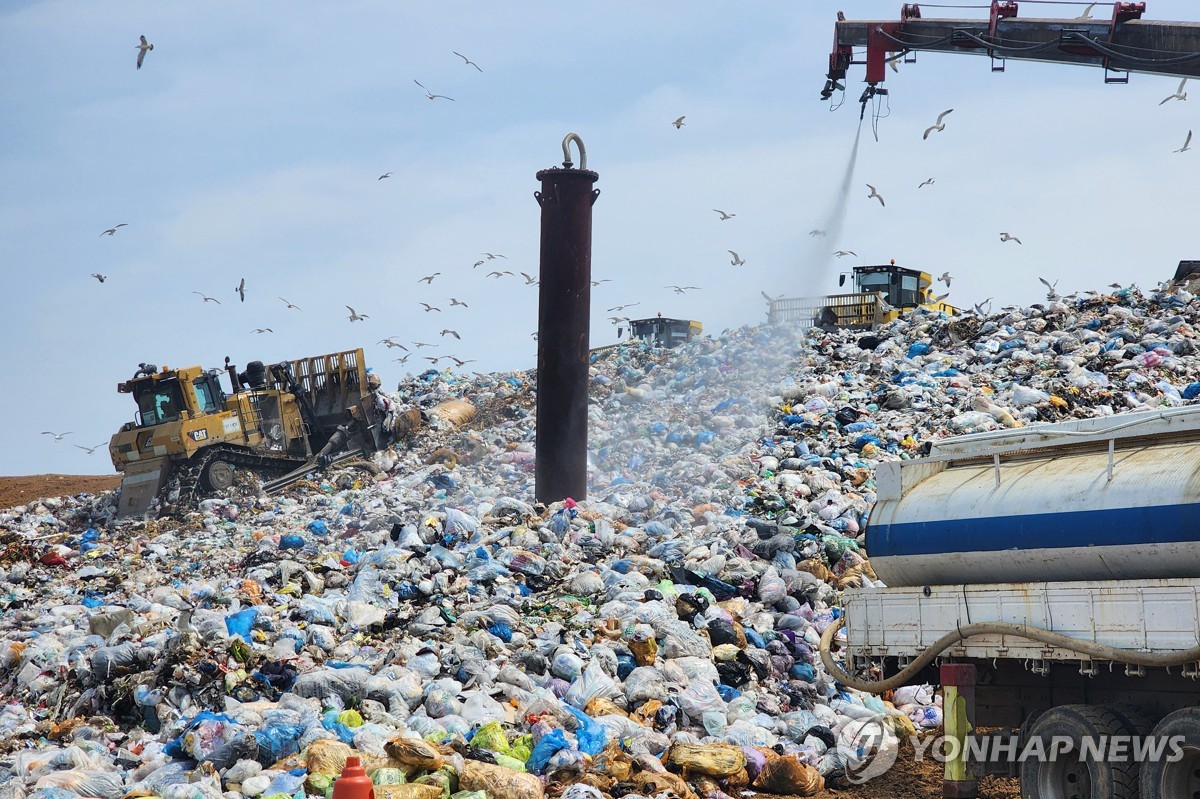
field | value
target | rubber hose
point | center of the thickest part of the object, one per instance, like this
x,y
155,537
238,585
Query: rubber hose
x,y
1049,637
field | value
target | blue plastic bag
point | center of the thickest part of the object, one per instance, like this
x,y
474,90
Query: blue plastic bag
x,y
544,749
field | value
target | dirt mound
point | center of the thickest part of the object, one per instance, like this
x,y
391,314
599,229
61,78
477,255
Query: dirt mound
x,y
21,490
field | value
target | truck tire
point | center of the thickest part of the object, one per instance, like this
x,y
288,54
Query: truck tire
x,y
1166,780
217,475
1069,776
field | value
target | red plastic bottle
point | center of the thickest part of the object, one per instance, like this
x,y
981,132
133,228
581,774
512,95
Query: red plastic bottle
x,y
354,782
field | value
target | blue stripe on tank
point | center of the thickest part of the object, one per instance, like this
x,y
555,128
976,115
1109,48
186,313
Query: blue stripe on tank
x,y
1167,524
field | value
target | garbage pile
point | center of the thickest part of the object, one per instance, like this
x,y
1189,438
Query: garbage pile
x,y
465,641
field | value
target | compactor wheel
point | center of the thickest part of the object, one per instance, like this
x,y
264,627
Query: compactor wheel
x,y
217,475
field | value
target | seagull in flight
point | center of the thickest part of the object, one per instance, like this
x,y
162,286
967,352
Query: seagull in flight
x,y
1179,94
143,47
1186,144
623,307
429,307
678,123
454,301
58,437
531,280
384,175
945,278
464,58
682,289
290,305
207,298
88,450
1008,237
926,182
262,330
874,194
724,214
429,278
844,253
99,276
938,126
737,260
454,333
430,94
355,316
241,289
113,230
494,256
391,344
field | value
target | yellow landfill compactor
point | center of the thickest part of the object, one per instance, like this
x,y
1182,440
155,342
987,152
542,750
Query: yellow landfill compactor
x,y
881,293
273,420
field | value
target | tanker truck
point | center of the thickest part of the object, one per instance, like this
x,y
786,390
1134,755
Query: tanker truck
x,y
1054,573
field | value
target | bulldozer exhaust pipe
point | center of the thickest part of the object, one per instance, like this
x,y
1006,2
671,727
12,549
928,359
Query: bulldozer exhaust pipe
x,y
564,318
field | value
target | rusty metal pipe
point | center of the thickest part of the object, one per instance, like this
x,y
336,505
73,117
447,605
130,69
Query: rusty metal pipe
x,y
564,317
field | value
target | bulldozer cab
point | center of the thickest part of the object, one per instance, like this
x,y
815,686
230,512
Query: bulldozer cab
x,y
901,288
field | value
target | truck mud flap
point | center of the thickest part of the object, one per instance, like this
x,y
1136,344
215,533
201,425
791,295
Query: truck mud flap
x,y
140,485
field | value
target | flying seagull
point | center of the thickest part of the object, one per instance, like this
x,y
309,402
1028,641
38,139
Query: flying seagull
x,y
290,305
927,182
384,175
724,214
99,276
939,125
1179,94
464,58
454,301
448,331
737,260
355,316
430,94
874,194
623,307
679,122
58,437
1007,237
844,253
429,307
241,289
207,298
682,289
945,278
89,450
262,330
429,278
143,47
113,230
1186,144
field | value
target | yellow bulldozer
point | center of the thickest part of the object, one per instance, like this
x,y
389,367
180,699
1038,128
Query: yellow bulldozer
x,y
881,293
275,421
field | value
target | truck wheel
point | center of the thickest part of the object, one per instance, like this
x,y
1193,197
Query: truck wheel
x,y
1068,775
217,475
1166,780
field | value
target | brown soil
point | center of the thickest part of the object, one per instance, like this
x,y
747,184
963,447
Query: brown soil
x,y
21,490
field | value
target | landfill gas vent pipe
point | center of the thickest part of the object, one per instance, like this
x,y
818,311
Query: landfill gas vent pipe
x,y
1089,649
564,319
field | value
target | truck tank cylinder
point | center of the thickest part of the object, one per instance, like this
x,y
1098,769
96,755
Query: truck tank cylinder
x,y
1048,515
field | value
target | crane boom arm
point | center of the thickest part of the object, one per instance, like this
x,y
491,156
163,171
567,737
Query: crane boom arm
x,y
1123,44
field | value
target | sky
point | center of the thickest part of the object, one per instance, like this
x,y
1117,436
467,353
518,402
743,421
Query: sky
x,y
250,145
